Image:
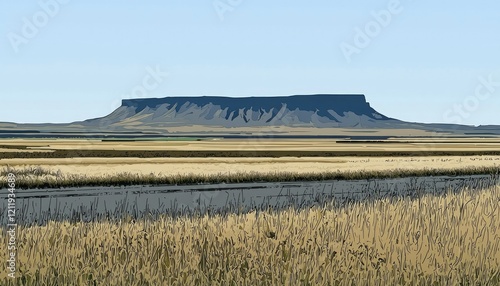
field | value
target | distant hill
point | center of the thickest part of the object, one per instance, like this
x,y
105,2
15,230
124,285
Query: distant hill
x,y
322,110
319,114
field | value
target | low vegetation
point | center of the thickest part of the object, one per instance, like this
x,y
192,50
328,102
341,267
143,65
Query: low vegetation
x,y
81,153
37,177
434,240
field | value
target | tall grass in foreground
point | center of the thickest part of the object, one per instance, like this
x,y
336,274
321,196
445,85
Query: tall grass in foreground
x,y
446,240
37,177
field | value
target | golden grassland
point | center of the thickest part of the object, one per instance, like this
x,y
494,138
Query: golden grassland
x,y
107,167
255,144
14,151
39,177
434,240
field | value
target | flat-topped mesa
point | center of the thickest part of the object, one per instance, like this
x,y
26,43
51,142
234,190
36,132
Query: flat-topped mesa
x,y
314,102
318,110
301,115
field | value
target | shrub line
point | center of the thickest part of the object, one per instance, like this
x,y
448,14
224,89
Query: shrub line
x,y
41,178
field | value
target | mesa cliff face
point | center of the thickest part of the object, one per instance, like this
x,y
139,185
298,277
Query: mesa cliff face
x,y
321,110
301,115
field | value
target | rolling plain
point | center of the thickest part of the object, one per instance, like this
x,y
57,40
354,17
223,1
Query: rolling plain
x,y
207,157
418,238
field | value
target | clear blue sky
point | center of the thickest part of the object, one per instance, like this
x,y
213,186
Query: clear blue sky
x,y
88,55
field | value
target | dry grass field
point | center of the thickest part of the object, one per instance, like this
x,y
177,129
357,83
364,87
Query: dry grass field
x,y
174,167
119,156
449,240
196,144
41,178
